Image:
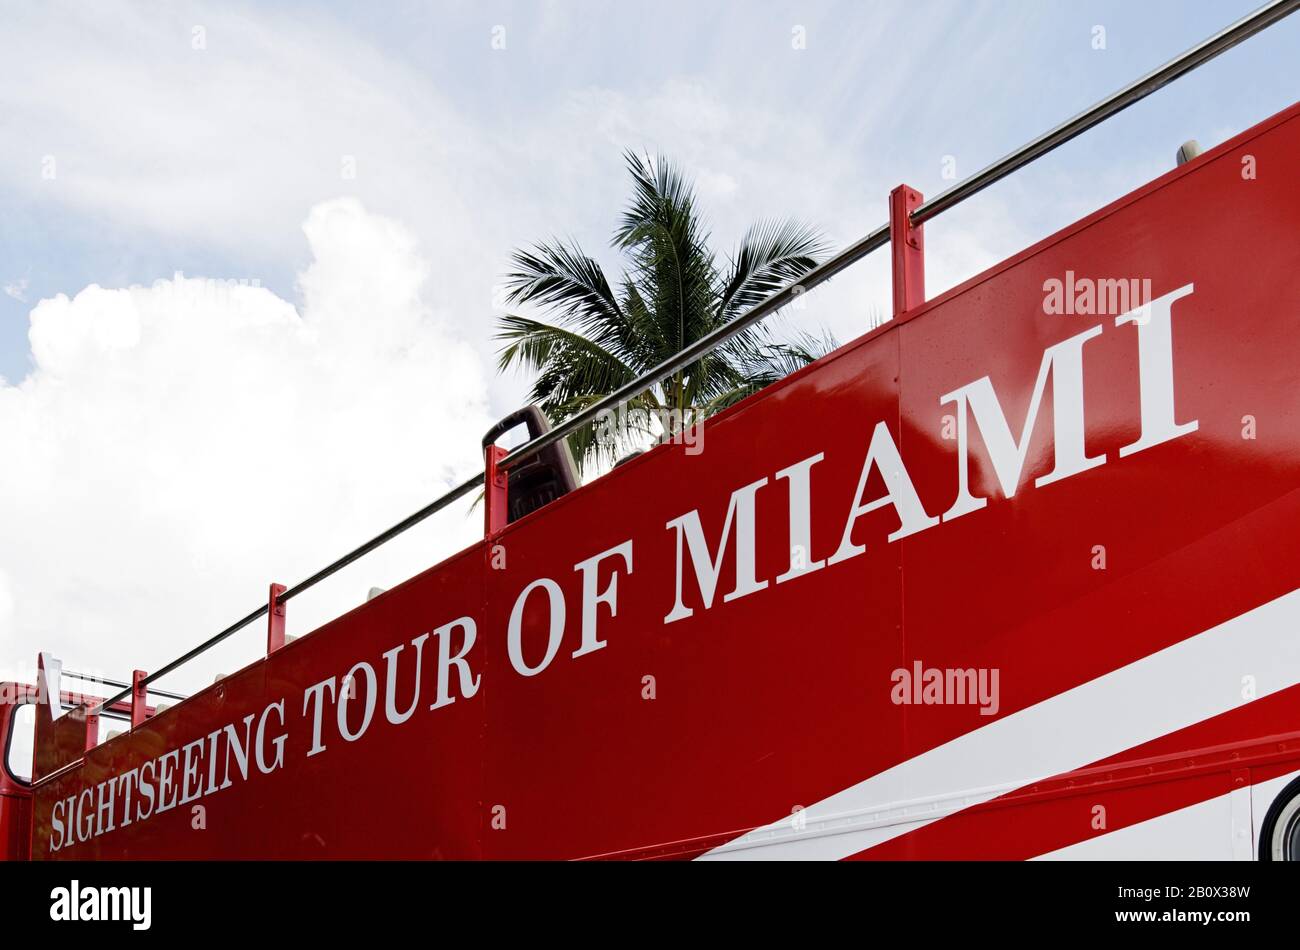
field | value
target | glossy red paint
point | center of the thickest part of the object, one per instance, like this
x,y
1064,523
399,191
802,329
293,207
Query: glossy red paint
x,y
906,249
61,740
276,616
15,795
495,495
1139,784
16,792
633,734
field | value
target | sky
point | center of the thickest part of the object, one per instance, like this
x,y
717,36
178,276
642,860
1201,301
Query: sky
x,y
251,254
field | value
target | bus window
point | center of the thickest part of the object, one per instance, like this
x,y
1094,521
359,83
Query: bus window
x,y
19,743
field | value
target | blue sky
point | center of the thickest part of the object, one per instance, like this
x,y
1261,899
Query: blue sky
x,y
361,172
879,95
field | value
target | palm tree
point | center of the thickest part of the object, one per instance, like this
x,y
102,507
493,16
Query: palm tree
x,y
673,293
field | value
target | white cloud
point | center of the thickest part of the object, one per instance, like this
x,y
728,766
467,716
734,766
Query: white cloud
x,y
178,447
222,149
219,152
302,433
17,289
122,117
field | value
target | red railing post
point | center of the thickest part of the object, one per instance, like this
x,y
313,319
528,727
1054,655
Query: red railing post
x,y
92,730
275,620
907,249
495,491
138,696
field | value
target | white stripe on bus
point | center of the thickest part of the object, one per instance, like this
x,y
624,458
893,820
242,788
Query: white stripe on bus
x,y
1196,679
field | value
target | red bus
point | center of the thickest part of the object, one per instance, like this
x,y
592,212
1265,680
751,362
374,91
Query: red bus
x,y
1014,575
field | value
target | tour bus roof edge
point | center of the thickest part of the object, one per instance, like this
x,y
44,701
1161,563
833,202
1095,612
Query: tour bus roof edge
x,y
1190,59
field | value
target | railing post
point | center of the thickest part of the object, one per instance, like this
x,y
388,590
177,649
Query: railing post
x,y
138,696
92,730
907,249
275,615
495,491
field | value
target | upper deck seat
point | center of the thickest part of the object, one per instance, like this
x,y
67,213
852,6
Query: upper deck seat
x,y
541,478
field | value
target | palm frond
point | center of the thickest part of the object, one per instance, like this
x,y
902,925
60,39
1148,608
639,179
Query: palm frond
x,y
771,255
613,434
673,270
672,294
568,363
772,362
574,287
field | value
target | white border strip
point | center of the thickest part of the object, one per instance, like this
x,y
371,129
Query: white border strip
x,y
1191,681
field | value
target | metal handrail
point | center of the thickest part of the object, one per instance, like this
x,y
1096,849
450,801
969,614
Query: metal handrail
x,y
382,538
105,681
1135,91
1197,55
1117,101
